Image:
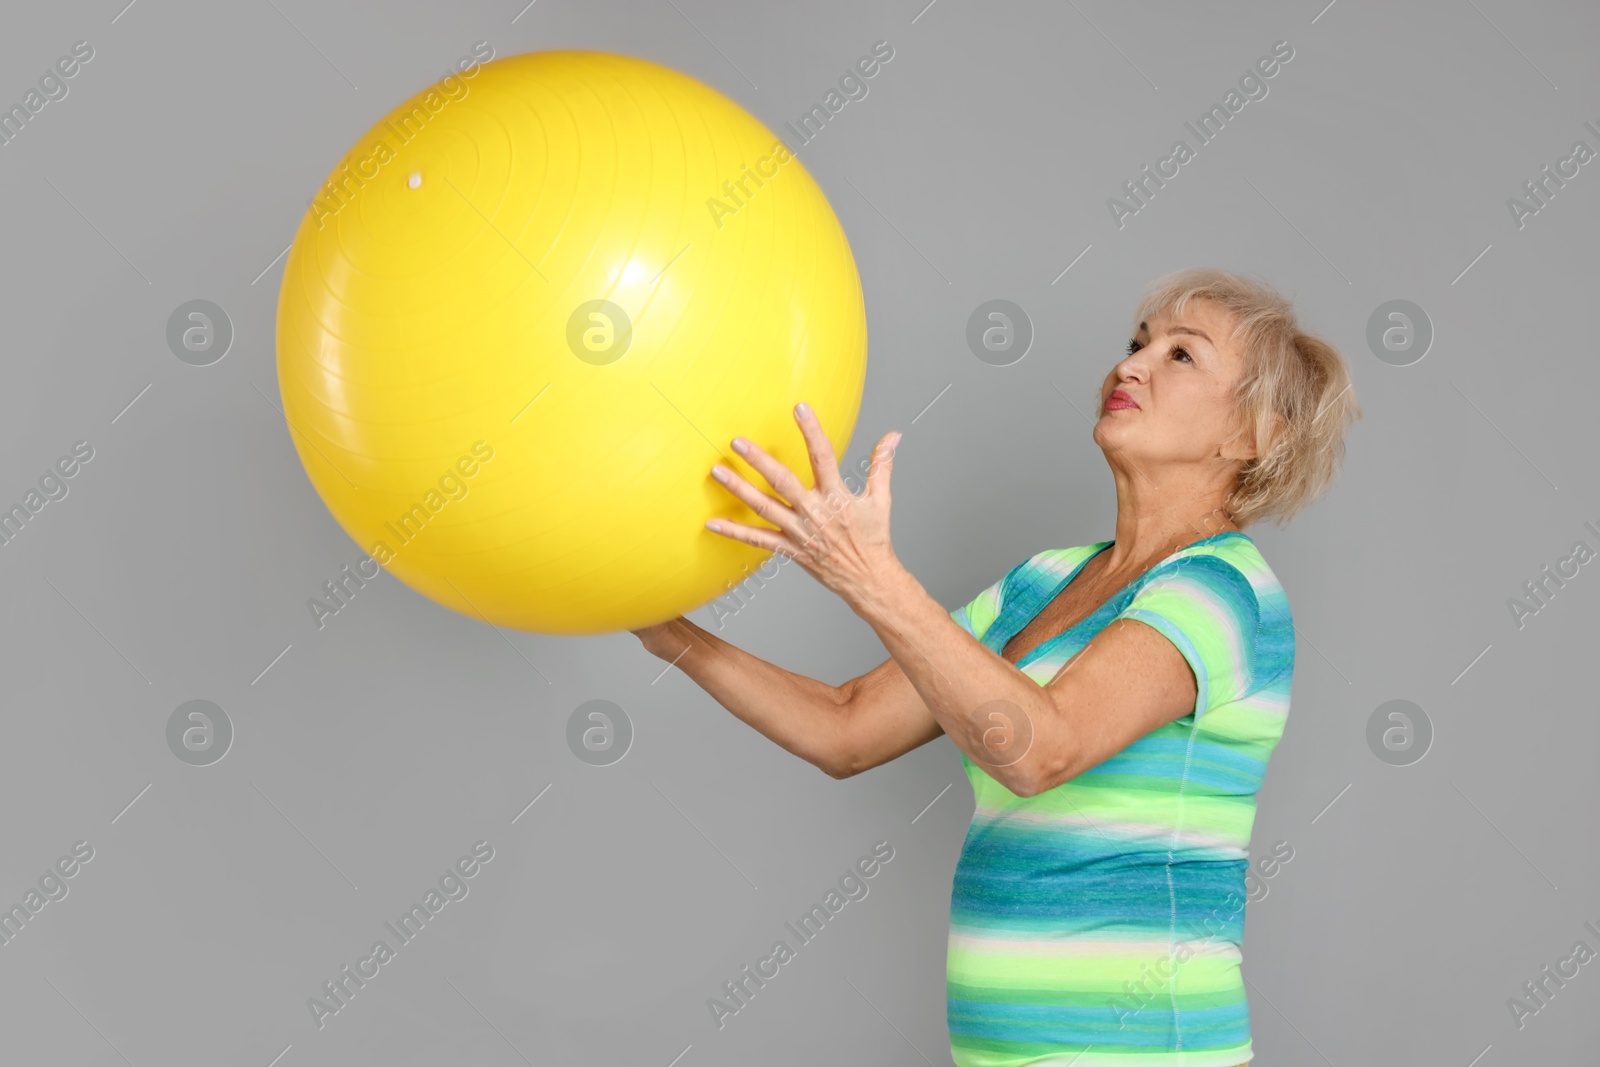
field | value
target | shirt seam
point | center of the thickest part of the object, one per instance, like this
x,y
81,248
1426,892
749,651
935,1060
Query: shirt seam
x,y
1172,898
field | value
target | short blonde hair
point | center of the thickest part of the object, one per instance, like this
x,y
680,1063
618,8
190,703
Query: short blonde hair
x,y
1295,391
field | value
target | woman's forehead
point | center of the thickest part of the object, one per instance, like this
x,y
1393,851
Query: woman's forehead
x,y
1205,321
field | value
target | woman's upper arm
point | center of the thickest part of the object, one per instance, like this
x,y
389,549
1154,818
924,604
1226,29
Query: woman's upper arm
x,y
1192,650
1126,682
885,717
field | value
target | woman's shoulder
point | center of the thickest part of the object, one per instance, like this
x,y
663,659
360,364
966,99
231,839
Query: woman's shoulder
x,y
1239,553
1230,546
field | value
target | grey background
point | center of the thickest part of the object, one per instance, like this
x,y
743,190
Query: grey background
x,y
375,751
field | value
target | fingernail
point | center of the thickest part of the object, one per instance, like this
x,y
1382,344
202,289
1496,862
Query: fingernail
x,y
740,445
719,472
802,409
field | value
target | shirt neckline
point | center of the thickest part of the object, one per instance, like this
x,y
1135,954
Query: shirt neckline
x,y
1009,603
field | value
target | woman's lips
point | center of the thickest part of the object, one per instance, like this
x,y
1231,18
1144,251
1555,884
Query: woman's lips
x,y
1118,400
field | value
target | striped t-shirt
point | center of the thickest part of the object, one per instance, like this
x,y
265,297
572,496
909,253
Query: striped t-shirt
x,y
1105,916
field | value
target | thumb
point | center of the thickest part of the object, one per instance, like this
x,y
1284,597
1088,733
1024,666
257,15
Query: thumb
x,y
882,464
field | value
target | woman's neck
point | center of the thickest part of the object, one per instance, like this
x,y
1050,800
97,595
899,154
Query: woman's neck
x,y
1141,543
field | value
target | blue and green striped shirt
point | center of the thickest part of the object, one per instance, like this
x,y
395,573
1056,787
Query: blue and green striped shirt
x,y
1104,917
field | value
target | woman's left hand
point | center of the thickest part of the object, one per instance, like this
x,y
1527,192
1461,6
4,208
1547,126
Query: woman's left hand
x,y
840,539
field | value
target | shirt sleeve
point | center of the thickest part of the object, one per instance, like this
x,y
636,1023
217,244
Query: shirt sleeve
x,y
978,614
1207,608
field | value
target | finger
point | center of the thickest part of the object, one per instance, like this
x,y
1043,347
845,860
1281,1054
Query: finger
x,y
750,535
882,464
824,464
779,477
763,505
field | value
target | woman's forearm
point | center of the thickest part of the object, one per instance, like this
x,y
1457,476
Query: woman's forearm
x,y
983,703
802,715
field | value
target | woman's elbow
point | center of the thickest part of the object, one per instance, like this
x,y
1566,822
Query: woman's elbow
x,y
1019,783
840,767
1031,777
840,758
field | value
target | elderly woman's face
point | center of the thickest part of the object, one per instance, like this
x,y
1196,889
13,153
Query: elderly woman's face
x,y
1178,382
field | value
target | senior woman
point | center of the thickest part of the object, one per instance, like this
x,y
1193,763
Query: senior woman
x,y
1114,703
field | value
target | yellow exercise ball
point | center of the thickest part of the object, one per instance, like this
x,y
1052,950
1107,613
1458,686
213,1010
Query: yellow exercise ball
x,y
528,311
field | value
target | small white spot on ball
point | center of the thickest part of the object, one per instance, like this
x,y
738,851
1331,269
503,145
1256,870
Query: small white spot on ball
x,y
415,181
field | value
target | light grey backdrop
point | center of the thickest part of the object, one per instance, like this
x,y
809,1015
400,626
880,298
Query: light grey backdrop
x,y
370,754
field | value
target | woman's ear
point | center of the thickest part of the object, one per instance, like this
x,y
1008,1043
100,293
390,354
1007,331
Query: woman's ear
x,y
1240,446
1243,444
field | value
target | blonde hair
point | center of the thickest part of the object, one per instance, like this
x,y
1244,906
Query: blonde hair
x,y
1294,393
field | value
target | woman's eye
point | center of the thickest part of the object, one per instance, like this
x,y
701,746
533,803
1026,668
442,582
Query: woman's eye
x,y
1178,350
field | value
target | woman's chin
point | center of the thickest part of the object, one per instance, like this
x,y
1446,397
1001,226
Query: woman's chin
x,y
1109,435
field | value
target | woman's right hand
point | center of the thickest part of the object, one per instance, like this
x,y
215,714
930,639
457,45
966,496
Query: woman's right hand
x,y
659,640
